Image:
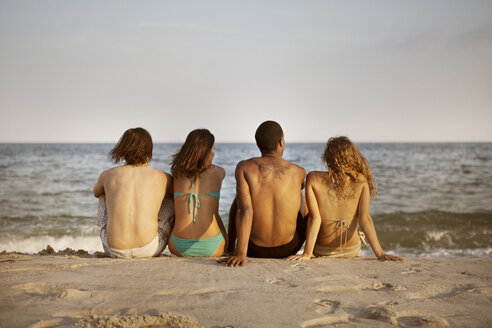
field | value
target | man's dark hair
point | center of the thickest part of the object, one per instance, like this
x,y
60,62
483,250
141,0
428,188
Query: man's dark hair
x,y
268,136
134,147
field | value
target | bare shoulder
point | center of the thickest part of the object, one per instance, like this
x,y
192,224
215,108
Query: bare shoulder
x,y
247,167
298,168
361,178
110,174
168,176
102,176
315,177
104,173
218,170
360,183
111,171
161,174
297,171
247,163
364,184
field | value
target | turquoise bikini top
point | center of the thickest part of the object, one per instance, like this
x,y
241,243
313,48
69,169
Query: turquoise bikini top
x,y
196,199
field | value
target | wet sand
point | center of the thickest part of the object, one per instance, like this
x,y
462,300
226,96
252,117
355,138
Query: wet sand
x,y
86,291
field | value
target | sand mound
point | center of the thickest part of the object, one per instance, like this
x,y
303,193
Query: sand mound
x,y
137,321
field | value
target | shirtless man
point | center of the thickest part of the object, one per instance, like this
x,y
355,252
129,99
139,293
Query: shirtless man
x,y
268,190
133,195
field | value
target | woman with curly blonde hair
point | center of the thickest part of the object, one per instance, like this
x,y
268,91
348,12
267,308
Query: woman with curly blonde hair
x,y
338,202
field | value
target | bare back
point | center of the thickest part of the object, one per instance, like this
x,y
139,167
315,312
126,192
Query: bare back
x,y
134,195
275,190
331,207
206,216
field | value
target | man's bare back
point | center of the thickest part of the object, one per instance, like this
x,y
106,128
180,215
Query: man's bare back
x,y
128,215
134,195
268,193
275,190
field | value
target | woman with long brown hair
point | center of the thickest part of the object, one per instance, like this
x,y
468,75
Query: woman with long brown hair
x,y
338,202
198,228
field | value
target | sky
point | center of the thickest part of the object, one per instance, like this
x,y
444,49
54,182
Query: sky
x,y
376,71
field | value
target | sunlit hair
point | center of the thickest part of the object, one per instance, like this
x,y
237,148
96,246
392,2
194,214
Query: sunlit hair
x,y
267,136
190,160
342,158
134,147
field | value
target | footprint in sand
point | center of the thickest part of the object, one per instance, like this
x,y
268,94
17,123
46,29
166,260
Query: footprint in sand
x,y
327,320
455,291
383,285
198,292
170,293
74,294
384,313
413,321
138,321
376,286
411,271
328,306
54,291
275,280
79,265
296,267
483,291
341,288
42,289
206,291
389,303
46,323
280,281
381,313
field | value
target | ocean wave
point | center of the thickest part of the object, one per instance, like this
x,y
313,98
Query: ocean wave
x,y
35,244
428,230
31,218
435,216
92,243
425,233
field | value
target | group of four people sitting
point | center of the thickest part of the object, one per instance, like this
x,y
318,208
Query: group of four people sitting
x,y
142,210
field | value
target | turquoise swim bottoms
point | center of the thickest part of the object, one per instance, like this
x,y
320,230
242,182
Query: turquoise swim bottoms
x,y
197,247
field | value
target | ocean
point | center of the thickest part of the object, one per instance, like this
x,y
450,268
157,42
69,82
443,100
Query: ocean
x,y
435,199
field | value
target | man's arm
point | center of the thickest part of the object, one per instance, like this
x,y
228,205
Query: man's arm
x,y
244,217
302,177
232,229
99,186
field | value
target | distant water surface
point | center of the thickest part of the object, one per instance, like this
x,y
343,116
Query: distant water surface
x,y
434,198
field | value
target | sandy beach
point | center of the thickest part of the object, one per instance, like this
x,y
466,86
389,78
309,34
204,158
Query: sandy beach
x,y
86,291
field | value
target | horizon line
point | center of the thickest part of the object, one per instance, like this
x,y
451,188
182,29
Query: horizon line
x,y
234,142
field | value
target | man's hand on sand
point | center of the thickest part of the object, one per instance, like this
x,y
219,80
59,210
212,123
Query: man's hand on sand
x,y
229,252
298,257
389,257
233,261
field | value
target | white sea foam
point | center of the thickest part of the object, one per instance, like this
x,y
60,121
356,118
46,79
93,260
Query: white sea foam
x,y
437,252
92,244
35,244
436,235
